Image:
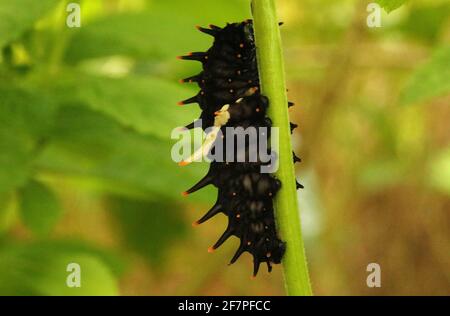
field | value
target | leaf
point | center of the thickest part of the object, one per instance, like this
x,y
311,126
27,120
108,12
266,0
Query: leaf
x,y
219,12
97,279
430,80
139,35
39,208
426,23
40,269
108,257
14,162
18,16
159,33
91,145
439,171
147,105
149,228
26,118
391,5
7,212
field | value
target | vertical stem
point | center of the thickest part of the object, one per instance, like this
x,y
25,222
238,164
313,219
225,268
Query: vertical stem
x,y
272,79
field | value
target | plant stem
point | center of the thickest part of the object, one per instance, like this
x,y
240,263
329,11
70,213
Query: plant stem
x,y
272,80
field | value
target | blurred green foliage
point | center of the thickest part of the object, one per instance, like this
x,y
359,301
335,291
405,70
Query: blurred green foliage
x,y
93,107
433,79
35,197
134,217
39,269
390,5
85,168
17,21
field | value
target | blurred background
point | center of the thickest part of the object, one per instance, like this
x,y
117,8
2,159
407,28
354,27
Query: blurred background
x,y
85,168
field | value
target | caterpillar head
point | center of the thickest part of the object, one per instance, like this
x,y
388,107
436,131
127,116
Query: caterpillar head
x,y
248,32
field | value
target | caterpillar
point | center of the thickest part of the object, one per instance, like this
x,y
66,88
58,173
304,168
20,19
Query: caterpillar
x,y
230,96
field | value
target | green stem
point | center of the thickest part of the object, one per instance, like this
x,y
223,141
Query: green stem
x,y
272,78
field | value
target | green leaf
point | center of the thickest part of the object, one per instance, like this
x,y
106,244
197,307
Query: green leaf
x,y
7,212
391,5
14,162
149,228
439,171
147,105
26,119
97,279
91,145
160,33
18,16
40,269
108,257
430,80
218,12
39,208
144,35
426,23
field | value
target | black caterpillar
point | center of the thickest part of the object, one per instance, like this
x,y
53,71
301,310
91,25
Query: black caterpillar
x,y
245,195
